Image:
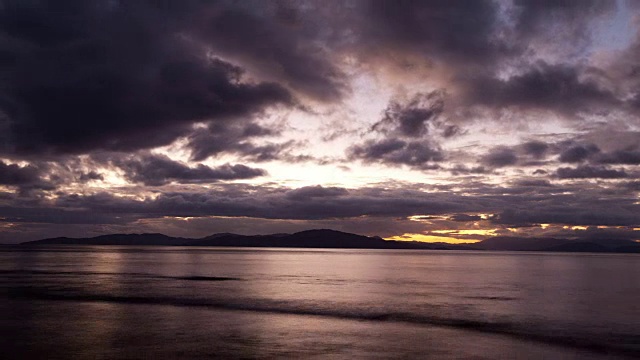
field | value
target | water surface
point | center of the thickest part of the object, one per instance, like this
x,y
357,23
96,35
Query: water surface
x,y
132,302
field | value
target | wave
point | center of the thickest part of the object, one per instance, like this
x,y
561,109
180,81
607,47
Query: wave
x,y
99,273
609,343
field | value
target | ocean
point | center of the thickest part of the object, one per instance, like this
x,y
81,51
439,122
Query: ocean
x,y
110,302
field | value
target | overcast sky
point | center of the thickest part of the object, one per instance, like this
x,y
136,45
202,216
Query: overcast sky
x,y
427,120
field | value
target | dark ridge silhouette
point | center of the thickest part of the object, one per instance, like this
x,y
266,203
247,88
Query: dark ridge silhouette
x,y
116,239
219,235
309,238
320,238
325,238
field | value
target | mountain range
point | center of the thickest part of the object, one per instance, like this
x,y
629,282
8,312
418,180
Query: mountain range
x,y
325,238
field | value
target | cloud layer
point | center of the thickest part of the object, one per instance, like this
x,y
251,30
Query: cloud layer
x,y
377,117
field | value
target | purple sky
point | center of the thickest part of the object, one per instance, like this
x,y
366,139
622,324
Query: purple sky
x,y
427,120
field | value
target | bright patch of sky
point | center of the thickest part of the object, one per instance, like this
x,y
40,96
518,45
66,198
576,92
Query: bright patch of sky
x,y
617,32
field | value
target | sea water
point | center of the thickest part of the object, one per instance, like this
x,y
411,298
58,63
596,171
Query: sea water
x,y
106,302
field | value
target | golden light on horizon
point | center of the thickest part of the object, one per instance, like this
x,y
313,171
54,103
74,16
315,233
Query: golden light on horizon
x,y
431,239
483,232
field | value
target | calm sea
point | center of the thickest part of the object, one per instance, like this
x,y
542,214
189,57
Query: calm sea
x,y
106,302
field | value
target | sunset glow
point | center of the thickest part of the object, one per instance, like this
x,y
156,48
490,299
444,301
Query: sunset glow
x,y
431,239
426,121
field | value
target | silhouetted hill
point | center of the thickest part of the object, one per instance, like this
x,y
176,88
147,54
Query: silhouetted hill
x,y
115,239
324,238
218,235
321,238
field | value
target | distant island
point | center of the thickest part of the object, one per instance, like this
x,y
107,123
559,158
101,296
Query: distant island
x,y
325,238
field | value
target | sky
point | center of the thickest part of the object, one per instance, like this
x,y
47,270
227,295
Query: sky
x,y
450,121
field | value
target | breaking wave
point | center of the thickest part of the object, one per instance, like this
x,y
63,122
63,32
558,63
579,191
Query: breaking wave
x,y
609,343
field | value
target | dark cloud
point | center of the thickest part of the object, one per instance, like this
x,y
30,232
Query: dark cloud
x,y
113,75
402,125
459,169
440,30
568,216
451,131
24,178
631,185
536,149
578,153
512,205
270,204
477,41
113,79
66,216
500,157
412,118
91,175
464,217
283,41
533,182
574,151
561,88
608,235
489,32
310,192
626,157
420,154
134,75
155,170
550,20
236,138
590,172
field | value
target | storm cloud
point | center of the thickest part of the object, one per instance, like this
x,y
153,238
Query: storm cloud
x,y
560,88
23,178
117,76
395,117
587,172
157,170
397,152
413,117
404,131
